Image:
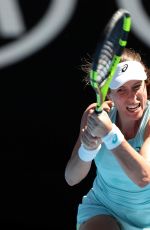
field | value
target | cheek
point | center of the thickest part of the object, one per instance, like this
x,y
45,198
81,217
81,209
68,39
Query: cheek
x,y
117,100
142,96
119,105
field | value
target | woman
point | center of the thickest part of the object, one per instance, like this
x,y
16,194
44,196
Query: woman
x,y
119,143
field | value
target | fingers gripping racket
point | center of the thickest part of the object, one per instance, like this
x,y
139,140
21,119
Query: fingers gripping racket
x,y
108,54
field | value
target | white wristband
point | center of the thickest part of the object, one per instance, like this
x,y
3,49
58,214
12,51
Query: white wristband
x,y
86,154
114,138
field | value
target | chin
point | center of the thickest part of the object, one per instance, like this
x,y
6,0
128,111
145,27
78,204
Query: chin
x,y
135,115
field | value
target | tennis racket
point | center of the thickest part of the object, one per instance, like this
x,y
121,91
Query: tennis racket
x,y
108,54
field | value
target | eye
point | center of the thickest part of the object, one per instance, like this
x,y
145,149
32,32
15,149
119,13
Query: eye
x,y
137,87
121,91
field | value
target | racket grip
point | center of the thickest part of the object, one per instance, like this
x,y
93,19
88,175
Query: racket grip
x,y
98,110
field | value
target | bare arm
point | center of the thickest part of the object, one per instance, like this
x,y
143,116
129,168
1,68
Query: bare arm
x,y
136,165
76,169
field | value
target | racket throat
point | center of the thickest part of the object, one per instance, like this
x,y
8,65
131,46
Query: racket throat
x,y
99,99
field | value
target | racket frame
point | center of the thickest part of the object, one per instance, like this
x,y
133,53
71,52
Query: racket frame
x,y
102,89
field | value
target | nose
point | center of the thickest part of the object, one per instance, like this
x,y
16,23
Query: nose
x,y
132,95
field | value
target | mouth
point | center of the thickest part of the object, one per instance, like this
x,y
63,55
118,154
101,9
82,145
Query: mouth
x,y
133,108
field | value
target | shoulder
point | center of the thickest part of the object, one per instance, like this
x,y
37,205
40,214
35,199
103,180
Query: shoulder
x,y
147,120
147,127
147,130
148,105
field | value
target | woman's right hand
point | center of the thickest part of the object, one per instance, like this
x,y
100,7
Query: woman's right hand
x,y
107,105
90,142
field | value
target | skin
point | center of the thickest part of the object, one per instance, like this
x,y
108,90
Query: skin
x,y
130,101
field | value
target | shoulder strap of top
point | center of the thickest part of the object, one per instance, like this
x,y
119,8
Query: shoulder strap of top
x,y
139,138
112,114
146,116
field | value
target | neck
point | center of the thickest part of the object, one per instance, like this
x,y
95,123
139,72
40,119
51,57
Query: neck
x,y
128,128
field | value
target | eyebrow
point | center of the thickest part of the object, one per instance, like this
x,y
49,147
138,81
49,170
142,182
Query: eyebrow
x,y
134,84
138,83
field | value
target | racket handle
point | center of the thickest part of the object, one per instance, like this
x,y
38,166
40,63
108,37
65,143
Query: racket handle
x,y
98,110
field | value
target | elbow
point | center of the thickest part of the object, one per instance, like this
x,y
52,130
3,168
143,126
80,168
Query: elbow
x,y
142,184
69,180
72,182
144,181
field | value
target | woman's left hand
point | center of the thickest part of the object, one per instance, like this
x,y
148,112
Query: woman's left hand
x,y
99,125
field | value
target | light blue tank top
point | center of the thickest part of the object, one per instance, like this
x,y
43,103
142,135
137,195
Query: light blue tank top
x,y
112,182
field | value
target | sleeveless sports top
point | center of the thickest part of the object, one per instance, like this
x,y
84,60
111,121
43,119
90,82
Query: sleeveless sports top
x,y
112,180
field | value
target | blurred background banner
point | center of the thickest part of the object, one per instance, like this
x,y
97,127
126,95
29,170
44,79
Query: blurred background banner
x,y
42,98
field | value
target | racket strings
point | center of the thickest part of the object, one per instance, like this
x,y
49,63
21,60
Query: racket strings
x,y
104,63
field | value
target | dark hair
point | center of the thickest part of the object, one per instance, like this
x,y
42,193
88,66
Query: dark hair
x,y
128,54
